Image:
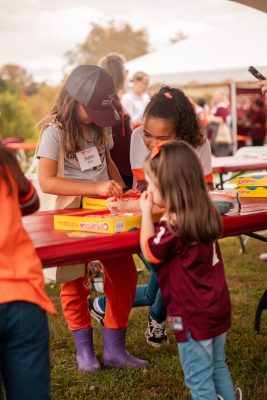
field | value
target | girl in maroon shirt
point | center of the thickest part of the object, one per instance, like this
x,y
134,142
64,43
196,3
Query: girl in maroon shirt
x,y
190,269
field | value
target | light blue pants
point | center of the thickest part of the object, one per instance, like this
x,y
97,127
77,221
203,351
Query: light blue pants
x,y
146,295
205,370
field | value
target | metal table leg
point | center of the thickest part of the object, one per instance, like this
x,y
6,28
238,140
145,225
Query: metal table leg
x,y
261,306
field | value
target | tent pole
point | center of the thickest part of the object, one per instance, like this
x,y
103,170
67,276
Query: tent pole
x,y
234,114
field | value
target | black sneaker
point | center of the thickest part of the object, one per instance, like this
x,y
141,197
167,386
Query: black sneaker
x,y
97,315
156,333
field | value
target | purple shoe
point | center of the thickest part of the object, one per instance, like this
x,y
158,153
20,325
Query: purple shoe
x,y
115,353
85,356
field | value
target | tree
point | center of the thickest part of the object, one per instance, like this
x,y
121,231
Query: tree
x,y
114,37
15,119
15,79
40,103
15,73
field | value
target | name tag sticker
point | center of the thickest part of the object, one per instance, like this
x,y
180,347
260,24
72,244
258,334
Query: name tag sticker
x,y
88,158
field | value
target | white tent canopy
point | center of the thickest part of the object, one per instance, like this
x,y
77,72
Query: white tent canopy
x,y
223,53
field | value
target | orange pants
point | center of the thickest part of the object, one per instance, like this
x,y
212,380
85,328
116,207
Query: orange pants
x,y
120,279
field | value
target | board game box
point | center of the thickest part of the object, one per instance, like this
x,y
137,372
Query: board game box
x,y
100,202
252,185
101,221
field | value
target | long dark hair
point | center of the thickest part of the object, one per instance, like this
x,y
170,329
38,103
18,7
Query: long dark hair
x,y
9,167
172,103
177,172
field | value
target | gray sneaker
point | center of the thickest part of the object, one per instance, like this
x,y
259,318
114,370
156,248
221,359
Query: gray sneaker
x,y
97,315
156,333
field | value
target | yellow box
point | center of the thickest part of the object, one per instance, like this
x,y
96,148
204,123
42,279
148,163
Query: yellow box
x,y
252,191
100,202
101,222
252,180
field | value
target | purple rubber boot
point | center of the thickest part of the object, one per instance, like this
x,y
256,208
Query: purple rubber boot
x,y
115,353
85,356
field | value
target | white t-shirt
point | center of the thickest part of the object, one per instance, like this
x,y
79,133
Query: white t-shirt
x,y
49,148
135,105
139,152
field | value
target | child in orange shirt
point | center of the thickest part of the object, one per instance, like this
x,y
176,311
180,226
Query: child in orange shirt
x,y
24,334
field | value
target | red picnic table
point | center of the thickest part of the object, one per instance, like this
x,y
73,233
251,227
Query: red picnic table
x,y
22,146
21,150
58,248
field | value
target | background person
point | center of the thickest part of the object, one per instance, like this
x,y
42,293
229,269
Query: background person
x,y
83,110
136,99
263,86
257,122
219,114
114,65
24,335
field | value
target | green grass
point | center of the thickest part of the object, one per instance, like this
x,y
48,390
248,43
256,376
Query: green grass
x,y
246,352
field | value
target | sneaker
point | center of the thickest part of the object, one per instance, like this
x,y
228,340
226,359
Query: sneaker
x,y
156,333
95,313
238,393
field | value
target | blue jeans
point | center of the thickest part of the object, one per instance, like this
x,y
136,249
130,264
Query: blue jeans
x,y
205,370
146,295
24,354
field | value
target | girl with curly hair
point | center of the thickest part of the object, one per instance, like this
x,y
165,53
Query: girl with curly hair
x,y
168,115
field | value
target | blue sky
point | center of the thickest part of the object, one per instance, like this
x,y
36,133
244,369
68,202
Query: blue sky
x,y
36,33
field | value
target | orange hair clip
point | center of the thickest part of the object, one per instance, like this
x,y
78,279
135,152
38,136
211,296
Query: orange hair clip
x,y
168,95
155,151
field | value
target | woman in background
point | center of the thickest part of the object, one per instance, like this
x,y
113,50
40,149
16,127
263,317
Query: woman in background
x,y
257,122
137,98
114,65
